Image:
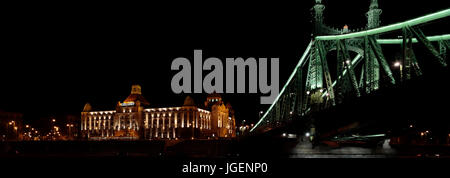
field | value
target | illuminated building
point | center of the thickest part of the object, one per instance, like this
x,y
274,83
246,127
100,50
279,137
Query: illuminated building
x,y
221,114
133,119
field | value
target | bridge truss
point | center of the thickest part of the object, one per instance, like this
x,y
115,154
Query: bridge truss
x,y
355,51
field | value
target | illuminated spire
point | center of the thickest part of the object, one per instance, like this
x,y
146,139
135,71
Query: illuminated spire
x,y
136,89
373,15
318,16
373,4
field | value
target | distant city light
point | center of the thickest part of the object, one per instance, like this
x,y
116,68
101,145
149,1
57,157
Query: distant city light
x,y
307,134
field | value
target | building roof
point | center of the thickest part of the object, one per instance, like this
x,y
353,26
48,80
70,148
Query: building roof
x,y
87,107
214,95
189,101
136,97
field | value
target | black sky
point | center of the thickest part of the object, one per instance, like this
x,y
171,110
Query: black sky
x,y
57,57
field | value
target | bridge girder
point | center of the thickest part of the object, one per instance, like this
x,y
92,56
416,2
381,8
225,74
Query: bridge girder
x,y
294,102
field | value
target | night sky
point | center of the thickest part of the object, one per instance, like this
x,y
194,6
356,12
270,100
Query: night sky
x,y
57,57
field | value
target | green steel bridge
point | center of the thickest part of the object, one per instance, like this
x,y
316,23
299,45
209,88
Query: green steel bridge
x,y
355,50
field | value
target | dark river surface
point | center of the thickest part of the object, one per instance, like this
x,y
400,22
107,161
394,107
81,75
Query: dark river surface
x,y
259,148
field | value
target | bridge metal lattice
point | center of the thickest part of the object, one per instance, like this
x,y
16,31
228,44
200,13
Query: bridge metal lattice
x,y
298,98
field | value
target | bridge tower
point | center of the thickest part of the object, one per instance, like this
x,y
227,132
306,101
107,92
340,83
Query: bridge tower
x,y
373,15
319,84
318,17
371,65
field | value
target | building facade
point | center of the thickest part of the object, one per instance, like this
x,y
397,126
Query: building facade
x,y
133,119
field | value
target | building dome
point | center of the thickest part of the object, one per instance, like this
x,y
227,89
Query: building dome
x,y
214,94
189,101
213,97
87,107
136,95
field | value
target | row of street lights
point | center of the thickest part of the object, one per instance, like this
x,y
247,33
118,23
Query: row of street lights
x,y
30,133
14,132
55,133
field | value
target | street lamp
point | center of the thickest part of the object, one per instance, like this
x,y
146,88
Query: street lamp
x,y
69,129
16,132
400,66
12,124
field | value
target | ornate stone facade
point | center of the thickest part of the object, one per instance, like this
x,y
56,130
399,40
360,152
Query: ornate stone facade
x,y
132,120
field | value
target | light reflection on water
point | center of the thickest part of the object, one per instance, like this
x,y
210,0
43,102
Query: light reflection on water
x,y
306,150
